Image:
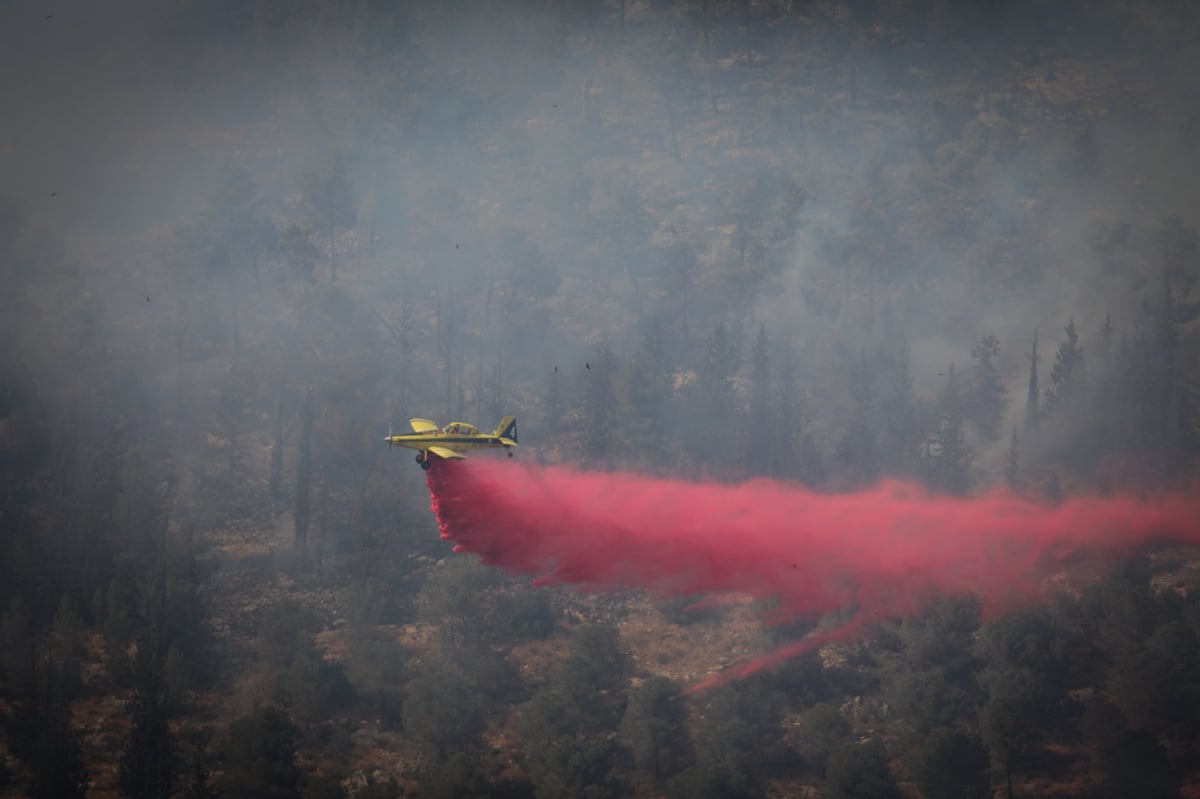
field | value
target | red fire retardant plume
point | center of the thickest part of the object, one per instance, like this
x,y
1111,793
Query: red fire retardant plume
x,y
885,552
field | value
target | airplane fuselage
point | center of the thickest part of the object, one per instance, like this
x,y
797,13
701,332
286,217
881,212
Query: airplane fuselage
x,y
457,443
451,441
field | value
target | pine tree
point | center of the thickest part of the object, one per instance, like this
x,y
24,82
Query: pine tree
x,y
948,457
148,766
721,360
1165,403
858,447
860,770
986,394
1012,460
789,453
443,711
654,729
260,759
1031,403
952,764
1067,378
57,769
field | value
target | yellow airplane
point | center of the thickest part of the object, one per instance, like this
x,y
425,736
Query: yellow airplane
x,y
453,439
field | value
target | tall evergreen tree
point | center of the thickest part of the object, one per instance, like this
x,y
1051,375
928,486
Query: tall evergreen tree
x,y
57,770
742,730
860,771
40,733
952,764
1067,377
948,456
654,729
986,396
794,450
1012,460
1165,406
1031,402
1012,719
260,760
148,765
1108,395
443,711
858,447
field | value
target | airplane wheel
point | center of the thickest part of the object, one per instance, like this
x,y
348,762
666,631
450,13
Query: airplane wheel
x,y
510,454
420,457
426,463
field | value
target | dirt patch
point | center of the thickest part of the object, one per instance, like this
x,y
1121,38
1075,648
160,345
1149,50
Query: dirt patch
x,y
692,652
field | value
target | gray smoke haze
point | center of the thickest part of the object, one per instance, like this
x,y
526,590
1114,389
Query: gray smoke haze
x,y
550,176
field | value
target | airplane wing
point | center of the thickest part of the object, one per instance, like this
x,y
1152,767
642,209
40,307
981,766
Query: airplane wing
x,y
422,425
448,454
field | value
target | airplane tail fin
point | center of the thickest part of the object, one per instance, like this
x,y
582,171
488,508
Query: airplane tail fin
x,y
507,429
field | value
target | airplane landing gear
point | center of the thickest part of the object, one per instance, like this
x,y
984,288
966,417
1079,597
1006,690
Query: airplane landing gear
x,y
423,459
510,453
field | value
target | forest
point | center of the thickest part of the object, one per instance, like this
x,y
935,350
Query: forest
x,y
821,242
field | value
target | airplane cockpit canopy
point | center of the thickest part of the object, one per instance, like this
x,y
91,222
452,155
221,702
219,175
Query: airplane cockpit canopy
x,y
460,428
